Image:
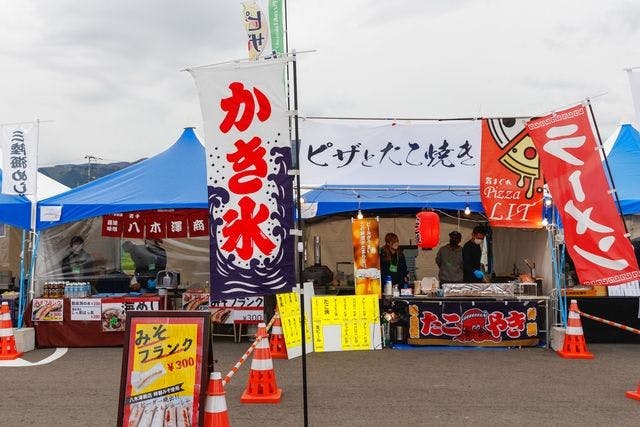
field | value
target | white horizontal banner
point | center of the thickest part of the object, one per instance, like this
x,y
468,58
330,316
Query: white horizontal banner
x,y
348,153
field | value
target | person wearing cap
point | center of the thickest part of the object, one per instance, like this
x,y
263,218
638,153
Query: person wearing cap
x,y
148,259
472,256
78,263
449,260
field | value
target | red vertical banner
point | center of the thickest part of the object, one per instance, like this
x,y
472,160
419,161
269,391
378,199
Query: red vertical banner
x,y
155,225
594,232
112,225
511,180
177,225
366,259
198,223
133,225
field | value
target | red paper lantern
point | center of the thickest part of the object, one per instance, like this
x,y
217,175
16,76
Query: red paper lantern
x,y
427,229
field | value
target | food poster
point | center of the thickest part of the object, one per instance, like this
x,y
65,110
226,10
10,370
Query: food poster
x,y
248,310
366,259
114,310
289,309
47,310
479,323
87,309
512,182
345,323
198,301
164,372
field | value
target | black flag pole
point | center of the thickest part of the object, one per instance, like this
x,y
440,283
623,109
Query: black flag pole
x,y
300,249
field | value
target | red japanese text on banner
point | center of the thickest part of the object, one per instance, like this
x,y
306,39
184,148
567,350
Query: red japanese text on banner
x,y
250,190
594,232
511,182
177,224
366,259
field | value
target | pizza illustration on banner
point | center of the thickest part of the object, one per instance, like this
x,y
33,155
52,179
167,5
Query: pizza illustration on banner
x,y
511,178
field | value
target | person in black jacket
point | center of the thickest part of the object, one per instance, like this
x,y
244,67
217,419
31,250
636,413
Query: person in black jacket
x,y
471,256
392,262
149,259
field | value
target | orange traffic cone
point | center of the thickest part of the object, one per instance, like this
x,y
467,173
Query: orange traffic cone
x,y
215,409
7,341
634,394
276,340
262,387
574,346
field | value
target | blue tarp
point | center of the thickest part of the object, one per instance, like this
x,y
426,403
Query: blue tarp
x,y
14,210
336,199
175,178
624,162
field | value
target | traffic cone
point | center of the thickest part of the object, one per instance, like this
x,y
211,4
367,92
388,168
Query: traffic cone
x,y
634,394
215,409
262,387
7,341
276,340
574,346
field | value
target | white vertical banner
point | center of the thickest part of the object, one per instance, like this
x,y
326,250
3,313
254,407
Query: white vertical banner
x,y
246,128
634,82
19,165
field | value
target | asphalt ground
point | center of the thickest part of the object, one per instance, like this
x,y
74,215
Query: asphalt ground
x,y
425,386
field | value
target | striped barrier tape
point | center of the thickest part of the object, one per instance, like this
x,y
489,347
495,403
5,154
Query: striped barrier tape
x,y
246,354
610,323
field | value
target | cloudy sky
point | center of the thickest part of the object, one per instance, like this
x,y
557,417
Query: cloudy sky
x,y
105,79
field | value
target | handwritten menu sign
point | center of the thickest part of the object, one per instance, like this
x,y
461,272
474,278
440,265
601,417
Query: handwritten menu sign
x,y
164,369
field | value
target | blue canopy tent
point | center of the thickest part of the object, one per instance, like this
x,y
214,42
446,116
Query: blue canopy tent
x,y
175,178
624,162
14,210
336,199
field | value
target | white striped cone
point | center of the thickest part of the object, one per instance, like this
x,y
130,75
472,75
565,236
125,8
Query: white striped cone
x,y
215,408
574,346
7,341
277,344
262,386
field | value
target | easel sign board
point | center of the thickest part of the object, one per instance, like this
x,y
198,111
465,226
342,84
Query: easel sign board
x,y
289,309
344,323
164,368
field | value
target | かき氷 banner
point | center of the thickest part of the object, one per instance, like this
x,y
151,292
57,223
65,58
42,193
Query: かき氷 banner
x,y
250,191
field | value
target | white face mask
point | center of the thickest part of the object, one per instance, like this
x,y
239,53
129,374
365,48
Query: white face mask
x,y
477,241
76,248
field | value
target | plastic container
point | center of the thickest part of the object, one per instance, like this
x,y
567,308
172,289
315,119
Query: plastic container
x,y
388,286
396,291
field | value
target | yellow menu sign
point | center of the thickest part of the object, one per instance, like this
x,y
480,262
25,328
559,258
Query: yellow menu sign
x,y
342,323
289,308
164,369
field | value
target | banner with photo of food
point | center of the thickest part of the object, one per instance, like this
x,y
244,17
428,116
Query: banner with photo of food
x,y
366,259
511,180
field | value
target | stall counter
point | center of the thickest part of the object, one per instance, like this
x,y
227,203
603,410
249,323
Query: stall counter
x,y
97,322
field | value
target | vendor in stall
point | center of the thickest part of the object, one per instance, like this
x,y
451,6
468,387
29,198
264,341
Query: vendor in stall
x,y
472,255
78,263
392,262
449,260
148,258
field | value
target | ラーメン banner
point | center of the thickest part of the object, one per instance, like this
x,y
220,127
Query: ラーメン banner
x,y
594,232
511,181
250,191
19,160
344,153
366,258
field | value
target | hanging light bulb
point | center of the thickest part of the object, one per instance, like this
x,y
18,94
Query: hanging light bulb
x,y
467,210
547,202
360,216
545,222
